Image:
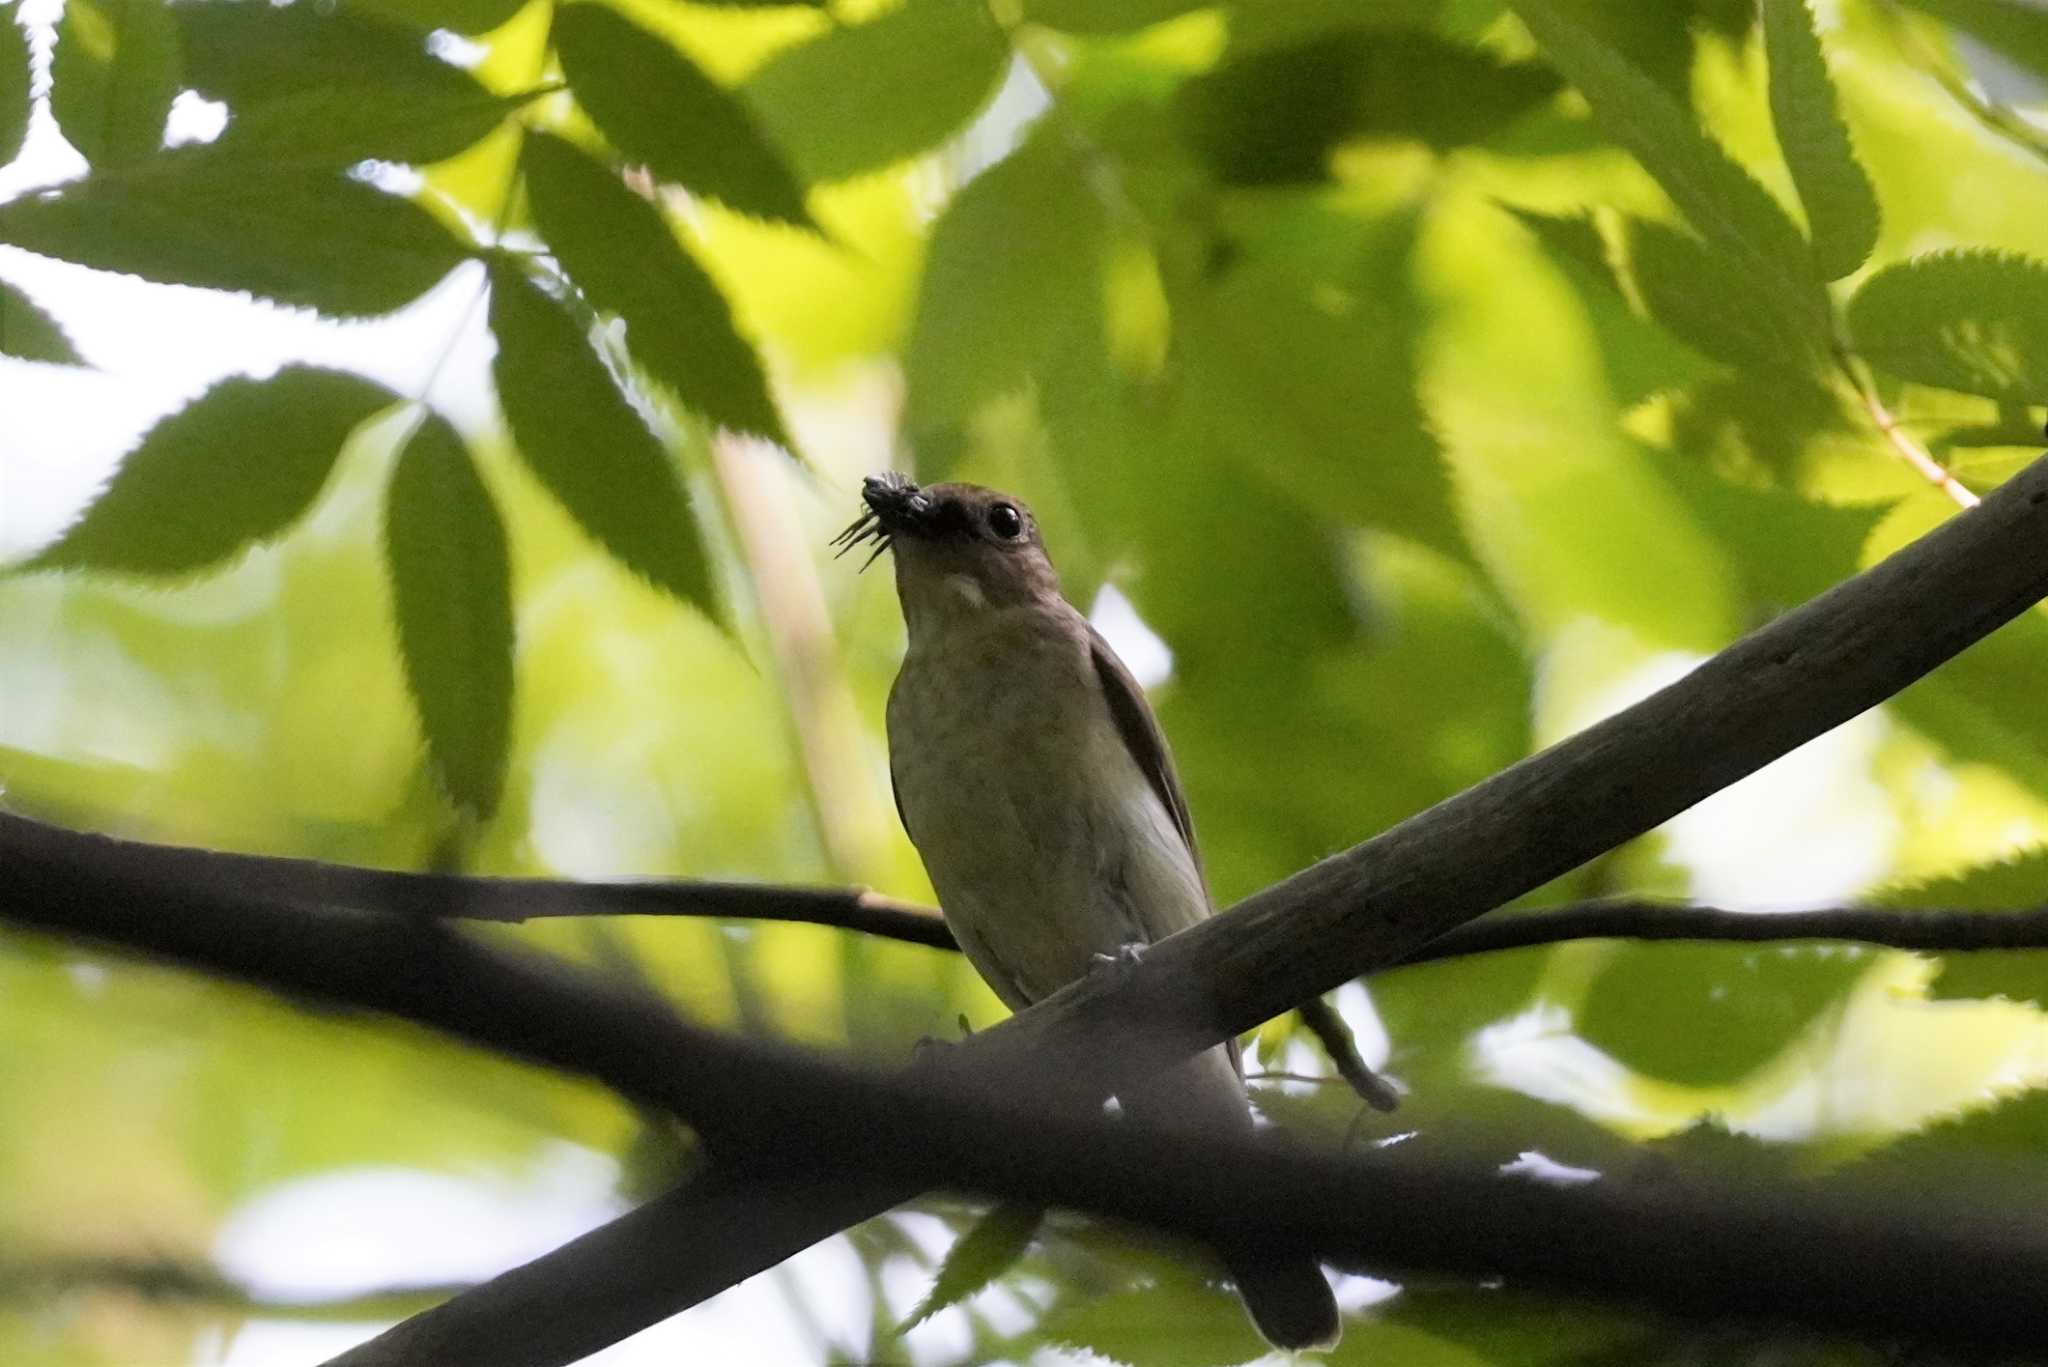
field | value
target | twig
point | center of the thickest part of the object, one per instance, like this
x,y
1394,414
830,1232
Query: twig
x,y
28,1280
1903,443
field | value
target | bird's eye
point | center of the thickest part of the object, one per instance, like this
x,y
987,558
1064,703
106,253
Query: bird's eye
x,y
1006,522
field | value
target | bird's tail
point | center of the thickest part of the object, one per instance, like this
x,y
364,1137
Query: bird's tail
x,y
1287,1298
1283,1290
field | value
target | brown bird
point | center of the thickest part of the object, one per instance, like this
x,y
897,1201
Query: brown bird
x,y
1039,791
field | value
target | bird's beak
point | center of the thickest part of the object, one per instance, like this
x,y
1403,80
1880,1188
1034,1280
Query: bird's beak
x,y
896,503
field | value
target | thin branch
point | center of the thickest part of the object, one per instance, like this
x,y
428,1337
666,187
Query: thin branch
x,y
980,1119
1379,903
1903,443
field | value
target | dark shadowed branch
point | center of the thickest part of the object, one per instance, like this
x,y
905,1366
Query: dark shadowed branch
x,y
1364,909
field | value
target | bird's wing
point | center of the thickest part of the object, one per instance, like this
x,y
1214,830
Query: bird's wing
x,y
1142,737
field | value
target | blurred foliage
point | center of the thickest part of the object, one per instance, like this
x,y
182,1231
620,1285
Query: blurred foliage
x,y
1432,377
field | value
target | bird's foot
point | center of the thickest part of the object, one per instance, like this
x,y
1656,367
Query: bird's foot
x,y
1116,965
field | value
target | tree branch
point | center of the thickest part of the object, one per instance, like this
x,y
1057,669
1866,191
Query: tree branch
x,y
1787,683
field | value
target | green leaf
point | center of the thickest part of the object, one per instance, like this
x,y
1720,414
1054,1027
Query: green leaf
x,y
335,127
583,440
1499,1325
1014,265
461,16
2011,884
1720,199
1707,299
1974,321
861,96
2016,28
1275,116
657,107
1306,370
235,467
1710,1015
451,593
982,1254
1785,548
113,75
622,254
196,217
1172,1324
1984,705
249,52
2008,1134
14,85
1841,207
1108,16
26,331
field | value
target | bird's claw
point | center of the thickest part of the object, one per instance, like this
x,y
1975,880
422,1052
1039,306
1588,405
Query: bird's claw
x,y
1125,959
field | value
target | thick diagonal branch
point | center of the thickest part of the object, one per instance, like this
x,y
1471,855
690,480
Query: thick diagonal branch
x,y
1784,685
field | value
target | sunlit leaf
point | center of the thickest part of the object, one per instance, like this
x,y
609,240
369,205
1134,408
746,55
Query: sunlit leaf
x,y
1786,549
861,96
580,436
1172,1324
14,85
29,333
1974,321
248,52
658,108
1015,262
460,16
197,218
1500,1325
1275,116
1721,201
2016,28
1107,16
1985,704
112,76
1709,1015
1841,208
623,256
981,1255
2000,1140
2018,883
335,127
1707,299
451,593
236,466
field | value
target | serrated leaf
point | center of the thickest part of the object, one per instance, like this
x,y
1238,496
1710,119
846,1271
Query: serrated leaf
x,y
1705,298
2006,885
235,467
1786,549
193,216
29,333
460,16
451,595
658,108
1973,321
14,85
249,52
1841,206
1275,116
621,253
333,127
2016,28
981,1255
861,96
1710,1015
2009,1133
1014,264
1718,198
113,74
582,439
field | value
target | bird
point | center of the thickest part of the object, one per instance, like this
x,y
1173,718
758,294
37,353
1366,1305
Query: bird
x,y
1038,789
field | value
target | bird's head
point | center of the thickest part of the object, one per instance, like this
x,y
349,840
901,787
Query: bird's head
x,y
960,549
